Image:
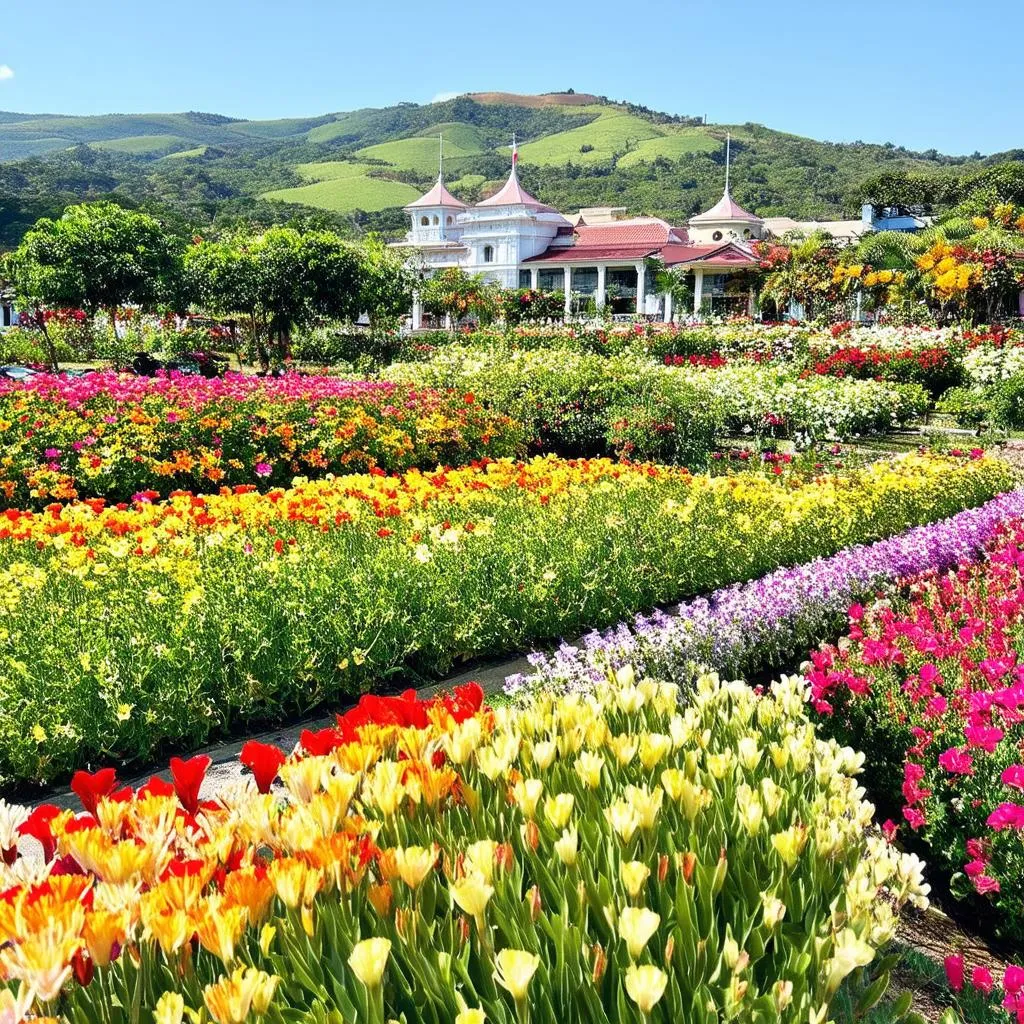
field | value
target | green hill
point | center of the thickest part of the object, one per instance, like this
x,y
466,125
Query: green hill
x,y
355,170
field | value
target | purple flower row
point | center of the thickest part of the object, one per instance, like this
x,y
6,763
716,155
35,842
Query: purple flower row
x,y
763,624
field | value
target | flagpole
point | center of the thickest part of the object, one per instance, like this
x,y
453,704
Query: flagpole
x,y
728,144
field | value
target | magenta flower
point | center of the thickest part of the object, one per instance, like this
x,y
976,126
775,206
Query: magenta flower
x,y
264,469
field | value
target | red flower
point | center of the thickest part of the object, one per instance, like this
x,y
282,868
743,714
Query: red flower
x,y
955,972
264,760
188,777
38,827
89,788
981,979
156,787
83,968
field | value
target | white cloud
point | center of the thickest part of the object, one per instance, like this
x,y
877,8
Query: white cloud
x,y
6,71
442,96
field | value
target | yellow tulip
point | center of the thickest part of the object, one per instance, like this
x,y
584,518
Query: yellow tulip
x,y
567,846
480,856
588,767
636,926
634,876
368,960
169,1009
514,969
527,793
472,893
645,985
471,1017
558,809
790,844
414,863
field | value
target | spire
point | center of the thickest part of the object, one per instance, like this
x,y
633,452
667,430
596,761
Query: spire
x,y
728,146
440,158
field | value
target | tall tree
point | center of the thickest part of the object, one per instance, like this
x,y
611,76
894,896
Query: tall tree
x,y
279,280
96,256
386,284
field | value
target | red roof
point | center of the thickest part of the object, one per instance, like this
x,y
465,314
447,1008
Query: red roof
x,y
585,253
513,194
728,254
437,196
725,209
639,231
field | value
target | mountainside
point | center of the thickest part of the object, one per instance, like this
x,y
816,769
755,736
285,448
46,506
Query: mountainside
x,y
355,170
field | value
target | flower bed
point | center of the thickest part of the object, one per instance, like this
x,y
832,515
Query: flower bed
x,y
113,436
604,861
932,686
935,369
750,627
629,404
166,622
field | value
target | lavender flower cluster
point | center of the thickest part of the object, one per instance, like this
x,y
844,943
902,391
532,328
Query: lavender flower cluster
x,y
752,627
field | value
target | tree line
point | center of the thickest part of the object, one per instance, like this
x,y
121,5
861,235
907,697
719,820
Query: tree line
x,y
101,257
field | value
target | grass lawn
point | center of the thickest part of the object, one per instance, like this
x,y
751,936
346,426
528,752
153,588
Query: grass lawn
x,y
141,145
609,134
672,145
419,153
184,154
342,195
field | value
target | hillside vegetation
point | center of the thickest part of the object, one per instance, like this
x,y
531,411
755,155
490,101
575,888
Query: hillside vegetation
x,y
354,170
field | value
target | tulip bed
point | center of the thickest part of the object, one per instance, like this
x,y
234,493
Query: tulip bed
x,y
113,436
931,686
169,622
615,859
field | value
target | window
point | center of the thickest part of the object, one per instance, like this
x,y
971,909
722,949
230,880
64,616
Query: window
x,y
524,279
436,221
425,222
584,280
717,236
746,233
488,254
448,220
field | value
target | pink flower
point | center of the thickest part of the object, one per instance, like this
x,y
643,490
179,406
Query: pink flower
x,y
1013,776
263,469
981,979
889,829
985,884
956,761
1013,979
1006,815
915,818
984,736
955,972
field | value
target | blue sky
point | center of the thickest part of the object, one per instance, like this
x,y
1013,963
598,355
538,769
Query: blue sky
x,y
922,74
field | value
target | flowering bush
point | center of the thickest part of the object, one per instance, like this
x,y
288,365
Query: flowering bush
x,y
114,436
614,859
935,369
169,621
763,624
572,402
933,687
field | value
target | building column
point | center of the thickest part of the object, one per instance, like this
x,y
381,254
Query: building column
x,y
535,278
599,294
567,287
668,307
417,312
698,289
641,287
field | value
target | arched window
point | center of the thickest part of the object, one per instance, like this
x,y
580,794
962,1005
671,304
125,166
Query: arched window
x,y
448,220
425,221
488,254
746,233
717,236
436,221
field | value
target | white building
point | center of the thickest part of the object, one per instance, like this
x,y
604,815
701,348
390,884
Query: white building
x,y
601,253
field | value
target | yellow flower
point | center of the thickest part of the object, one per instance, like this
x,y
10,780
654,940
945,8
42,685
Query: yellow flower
x,y
653,747
645,985
527,793
480,856
38,733
472,893
567,846
229,1000
636,926
558,809
368,960
170,1009
514,969
124,712
588,768
634,876
790,844
414,863
623,819
471,1017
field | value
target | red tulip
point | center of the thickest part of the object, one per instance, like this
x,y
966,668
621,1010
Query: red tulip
x,y
188,777
156,787
38,827
89,788
955,972
264,760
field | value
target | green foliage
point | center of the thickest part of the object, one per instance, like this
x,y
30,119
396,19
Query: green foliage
x,y
96,256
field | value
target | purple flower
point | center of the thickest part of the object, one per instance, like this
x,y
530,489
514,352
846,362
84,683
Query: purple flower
x,y
765,623
264,469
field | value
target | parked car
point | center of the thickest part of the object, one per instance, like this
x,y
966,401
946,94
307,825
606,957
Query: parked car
x,y
17,372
